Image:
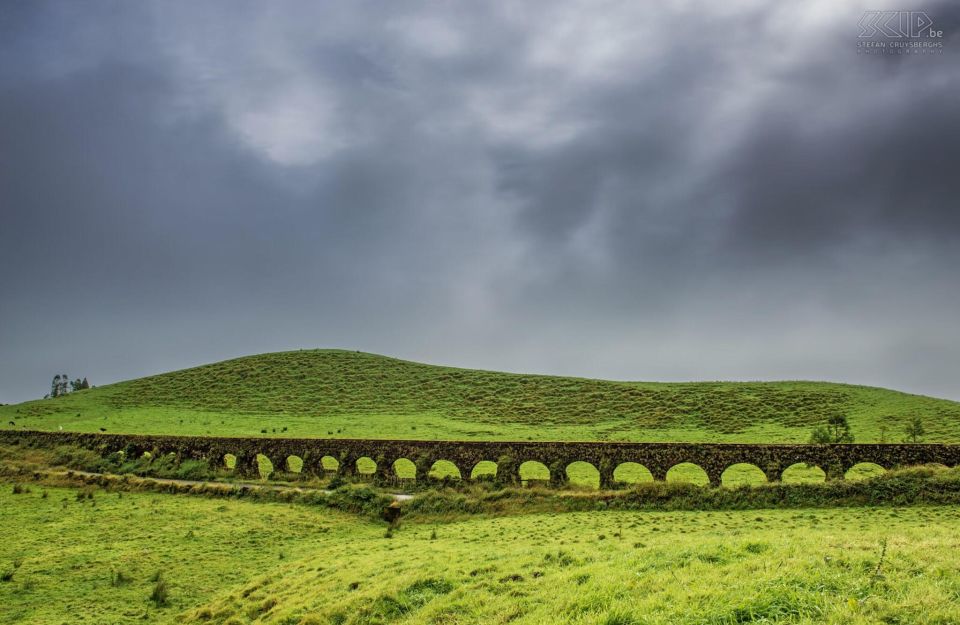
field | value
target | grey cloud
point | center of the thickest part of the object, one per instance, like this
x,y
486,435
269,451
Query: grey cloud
x,y
696,192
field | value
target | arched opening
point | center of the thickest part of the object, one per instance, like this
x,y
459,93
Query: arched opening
x,y
229,462
265,466
366,466
583,473
484,470
444,469
329,463
742,474
802,473
533,471
631,473
295,464
405,469
864,471
688,472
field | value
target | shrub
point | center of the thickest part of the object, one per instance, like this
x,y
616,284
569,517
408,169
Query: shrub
x,y
357,499
76,458
837,430
193,470
161,594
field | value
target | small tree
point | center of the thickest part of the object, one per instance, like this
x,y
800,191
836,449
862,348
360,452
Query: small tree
x,y
915,431
837,430
60,385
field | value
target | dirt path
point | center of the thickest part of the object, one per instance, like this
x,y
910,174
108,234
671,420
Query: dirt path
x,y
251,485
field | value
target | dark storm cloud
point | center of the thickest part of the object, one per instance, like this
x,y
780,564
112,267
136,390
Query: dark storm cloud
x,y
692,192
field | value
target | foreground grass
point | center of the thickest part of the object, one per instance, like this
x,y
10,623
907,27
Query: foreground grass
x,y
241,562
620,568
331,393
64,553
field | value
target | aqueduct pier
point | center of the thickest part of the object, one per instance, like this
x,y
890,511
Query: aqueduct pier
x,y
658,458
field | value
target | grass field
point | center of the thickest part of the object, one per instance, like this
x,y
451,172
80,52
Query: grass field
x,y
240,562
330,393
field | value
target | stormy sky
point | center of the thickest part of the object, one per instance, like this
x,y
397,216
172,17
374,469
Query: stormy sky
x,y
669,191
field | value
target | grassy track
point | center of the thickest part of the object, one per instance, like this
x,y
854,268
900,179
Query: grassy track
x,y
240,562
349,394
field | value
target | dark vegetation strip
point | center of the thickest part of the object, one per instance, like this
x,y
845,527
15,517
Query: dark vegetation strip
x,y
929,485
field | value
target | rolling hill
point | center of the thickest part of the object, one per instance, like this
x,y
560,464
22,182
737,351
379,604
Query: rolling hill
x,y
334,393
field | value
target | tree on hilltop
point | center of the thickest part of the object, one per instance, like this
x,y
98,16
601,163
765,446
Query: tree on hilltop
x,y
62,385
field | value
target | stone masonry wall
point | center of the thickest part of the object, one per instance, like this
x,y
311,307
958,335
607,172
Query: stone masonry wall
x,y
658,458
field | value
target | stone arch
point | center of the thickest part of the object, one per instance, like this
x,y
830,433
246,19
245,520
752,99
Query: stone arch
x,y
246,465
582,473
294,464
688,472
265,467
742,474
365,466
803,473
631,473
864,471
533,471
405,469
484,470
444,469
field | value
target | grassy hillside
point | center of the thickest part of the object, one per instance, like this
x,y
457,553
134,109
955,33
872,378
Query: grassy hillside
x,y
351,394
230,562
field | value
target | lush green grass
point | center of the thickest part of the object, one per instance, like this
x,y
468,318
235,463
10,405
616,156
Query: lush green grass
x,y
69,549
242,562
329,393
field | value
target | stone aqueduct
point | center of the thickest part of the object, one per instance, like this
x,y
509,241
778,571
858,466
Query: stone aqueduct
x,y
658,458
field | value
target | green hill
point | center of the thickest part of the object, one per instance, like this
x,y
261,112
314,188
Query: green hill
x,y
332,393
